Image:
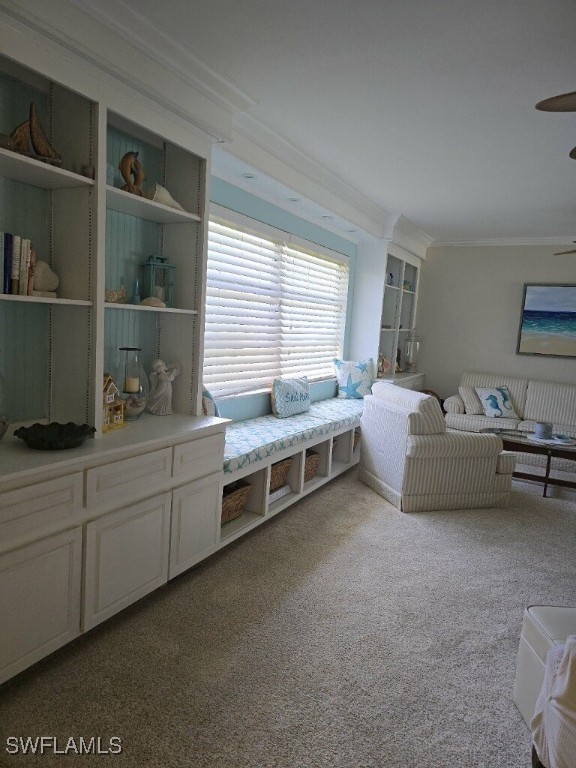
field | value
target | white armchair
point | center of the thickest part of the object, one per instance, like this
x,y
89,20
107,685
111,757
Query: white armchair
x,y
411,459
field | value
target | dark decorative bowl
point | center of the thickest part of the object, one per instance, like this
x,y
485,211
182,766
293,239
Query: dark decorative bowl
x,y
54,436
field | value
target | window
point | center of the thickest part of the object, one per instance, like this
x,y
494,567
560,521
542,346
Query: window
x,y
274,307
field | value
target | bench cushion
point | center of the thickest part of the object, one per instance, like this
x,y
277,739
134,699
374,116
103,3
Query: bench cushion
x,y
254,440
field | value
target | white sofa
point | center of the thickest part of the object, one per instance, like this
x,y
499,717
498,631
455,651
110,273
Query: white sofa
x,y
408,456
533,401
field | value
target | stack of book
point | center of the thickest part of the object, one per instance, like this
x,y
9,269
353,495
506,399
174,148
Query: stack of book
x,y
17,262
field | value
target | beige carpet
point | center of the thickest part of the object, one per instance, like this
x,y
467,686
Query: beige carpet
x,y
341,634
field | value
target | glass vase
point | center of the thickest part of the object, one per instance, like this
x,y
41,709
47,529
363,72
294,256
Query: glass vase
x,y
132,381
412,351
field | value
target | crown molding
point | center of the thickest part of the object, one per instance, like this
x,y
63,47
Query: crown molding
x,y
109,49
143,35
410,237
505,241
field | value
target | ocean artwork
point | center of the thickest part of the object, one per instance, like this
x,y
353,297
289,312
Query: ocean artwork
x,y
548,323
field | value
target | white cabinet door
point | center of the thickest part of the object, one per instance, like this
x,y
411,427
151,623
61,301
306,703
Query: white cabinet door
x,y
39,600
196,511
126,557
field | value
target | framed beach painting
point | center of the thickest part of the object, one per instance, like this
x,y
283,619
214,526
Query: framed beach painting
x,y
548,321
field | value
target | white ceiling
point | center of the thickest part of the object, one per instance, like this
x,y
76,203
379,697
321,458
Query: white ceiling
x,y
424,107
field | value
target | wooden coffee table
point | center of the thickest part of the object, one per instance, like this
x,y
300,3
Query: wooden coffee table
x,y
514,441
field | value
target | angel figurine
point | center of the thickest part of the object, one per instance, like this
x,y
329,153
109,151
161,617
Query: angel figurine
x,y
161,378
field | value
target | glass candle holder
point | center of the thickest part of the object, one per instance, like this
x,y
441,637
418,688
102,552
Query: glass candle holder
x,y
132,382
412,352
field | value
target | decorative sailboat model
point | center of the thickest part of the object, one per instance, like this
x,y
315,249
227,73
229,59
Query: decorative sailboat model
x,y
29,139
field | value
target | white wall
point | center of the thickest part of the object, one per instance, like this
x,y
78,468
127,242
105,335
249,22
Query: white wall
x,y
469,312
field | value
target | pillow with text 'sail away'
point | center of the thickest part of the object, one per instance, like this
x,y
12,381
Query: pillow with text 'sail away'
x,y
496,402
355,379
290,396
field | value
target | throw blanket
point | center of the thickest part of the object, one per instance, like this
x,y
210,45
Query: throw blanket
x,y
554,722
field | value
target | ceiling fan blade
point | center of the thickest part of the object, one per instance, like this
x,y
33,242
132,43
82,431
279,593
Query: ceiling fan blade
x,y
566,102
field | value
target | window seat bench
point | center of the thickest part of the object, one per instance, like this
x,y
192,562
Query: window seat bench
x,y
254,445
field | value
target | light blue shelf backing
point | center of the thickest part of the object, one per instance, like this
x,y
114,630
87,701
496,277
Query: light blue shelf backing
x,y
24,328
23,208
24,331
15,97
129,242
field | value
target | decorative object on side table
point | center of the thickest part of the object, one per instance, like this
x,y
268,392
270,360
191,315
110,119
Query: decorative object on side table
x,y
132,382
543,430
158,279
132,173
161,378
54,436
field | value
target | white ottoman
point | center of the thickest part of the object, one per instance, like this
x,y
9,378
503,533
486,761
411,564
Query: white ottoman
x,y
543,626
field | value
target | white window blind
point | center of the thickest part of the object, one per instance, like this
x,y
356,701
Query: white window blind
x,y
273,308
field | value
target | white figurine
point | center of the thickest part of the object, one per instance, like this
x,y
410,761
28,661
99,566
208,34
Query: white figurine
x,y
161,378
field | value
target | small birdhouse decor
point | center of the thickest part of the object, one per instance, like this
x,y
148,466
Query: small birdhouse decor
x,y
113,416
158,279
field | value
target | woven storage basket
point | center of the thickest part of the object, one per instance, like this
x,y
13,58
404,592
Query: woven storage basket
x,y
311,464
356,439
279,473
234,500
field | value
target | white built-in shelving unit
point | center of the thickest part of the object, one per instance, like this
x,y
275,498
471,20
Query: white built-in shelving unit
x,y
87,531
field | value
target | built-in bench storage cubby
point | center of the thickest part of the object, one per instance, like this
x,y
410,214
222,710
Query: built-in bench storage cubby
x,y
278,475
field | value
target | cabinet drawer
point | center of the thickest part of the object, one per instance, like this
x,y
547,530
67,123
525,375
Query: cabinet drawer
x,y
199,457
27,509
39,600
126,557
128,479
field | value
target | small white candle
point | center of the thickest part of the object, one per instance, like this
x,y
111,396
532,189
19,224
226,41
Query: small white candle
x,y
131,384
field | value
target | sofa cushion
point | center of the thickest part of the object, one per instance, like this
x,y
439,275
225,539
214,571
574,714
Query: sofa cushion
x,y
471,401
551,401
496,402
516,386
478,423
